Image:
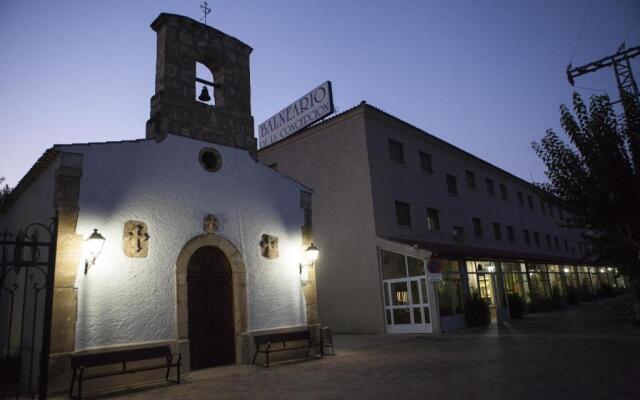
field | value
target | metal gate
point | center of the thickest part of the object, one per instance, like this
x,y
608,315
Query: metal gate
x,y
27,262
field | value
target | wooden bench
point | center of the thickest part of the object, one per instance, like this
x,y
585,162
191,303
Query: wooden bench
x,y
294,336
81,362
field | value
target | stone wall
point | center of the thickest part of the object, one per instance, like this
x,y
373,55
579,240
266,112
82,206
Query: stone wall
x,y
174,109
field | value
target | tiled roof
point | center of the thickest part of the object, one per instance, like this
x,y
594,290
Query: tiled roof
x,y
43,163
101,143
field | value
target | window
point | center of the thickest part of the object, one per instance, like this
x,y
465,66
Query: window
x,y
527,239
489,184
530,201
566,245
433,219
452,184
210,159
458,234
542,207
520,199
396,153
425,162
403,213
510,235
556,241
497,233
308,218
477,227
549,241
471,179
536,238
503,192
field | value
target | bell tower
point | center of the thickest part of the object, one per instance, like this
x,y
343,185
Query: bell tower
x,y
183,42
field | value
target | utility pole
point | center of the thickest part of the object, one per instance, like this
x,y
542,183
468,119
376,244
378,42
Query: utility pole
x,y
621,68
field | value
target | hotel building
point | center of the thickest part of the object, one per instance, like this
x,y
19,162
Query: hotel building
x,y
391,199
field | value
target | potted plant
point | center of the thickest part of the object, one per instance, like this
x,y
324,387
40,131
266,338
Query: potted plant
x,y
476,310
516,305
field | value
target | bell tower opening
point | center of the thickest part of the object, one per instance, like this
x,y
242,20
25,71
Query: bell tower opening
x,y
203,87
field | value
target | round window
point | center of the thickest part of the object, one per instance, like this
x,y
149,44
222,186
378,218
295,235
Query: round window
x,y
210,159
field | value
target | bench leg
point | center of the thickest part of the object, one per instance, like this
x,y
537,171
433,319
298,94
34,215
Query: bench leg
x,y
255,355
80,386
73,381
169,361
179,363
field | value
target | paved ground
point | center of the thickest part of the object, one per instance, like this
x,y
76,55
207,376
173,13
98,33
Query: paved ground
x,y
586,352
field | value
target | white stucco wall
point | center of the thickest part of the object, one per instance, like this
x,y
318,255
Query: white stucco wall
x,y
129,300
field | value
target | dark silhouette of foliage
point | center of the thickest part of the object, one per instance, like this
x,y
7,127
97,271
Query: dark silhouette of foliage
x,y
556,298
4,190
476,310
573,295
595,178
539,303
516,305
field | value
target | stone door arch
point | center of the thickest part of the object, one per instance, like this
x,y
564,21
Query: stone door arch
x,y
239,282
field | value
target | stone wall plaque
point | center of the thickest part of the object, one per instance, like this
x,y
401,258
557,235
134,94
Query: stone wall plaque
x,y
210,223
269,246
135,239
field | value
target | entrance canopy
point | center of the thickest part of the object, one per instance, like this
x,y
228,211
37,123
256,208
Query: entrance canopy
x,y
481,253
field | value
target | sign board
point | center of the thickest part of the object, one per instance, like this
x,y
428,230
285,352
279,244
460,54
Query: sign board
x,y
308,109
434,271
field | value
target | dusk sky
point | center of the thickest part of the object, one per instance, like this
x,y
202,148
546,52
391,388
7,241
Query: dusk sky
x,y
486,76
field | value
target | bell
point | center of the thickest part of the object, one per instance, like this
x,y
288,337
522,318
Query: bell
x,y
204,95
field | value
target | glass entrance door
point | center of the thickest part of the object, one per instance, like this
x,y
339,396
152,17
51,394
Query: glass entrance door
x,y
485,280
404,288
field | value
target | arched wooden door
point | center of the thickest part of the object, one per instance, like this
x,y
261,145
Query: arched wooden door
x,y
210,293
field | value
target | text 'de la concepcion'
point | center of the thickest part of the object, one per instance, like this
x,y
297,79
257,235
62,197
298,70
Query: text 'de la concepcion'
x,y
310,108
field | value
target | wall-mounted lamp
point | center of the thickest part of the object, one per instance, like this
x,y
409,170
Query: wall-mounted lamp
x,y
311,255
94,245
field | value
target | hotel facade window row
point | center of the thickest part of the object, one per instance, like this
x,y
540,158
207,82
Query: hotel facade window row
x,y
396,155
403,218
391,201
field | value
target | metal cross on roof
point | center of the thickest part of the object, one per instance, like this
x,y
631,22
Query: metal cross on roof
x,y
205,10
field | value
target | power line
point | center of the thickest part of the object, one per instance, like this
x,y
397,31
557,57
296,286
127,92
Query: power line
x,y
631,29
584,18
593,89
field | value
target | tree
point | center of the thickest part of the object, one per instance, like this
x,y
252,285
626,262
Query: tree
x,y
596,177
4,190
